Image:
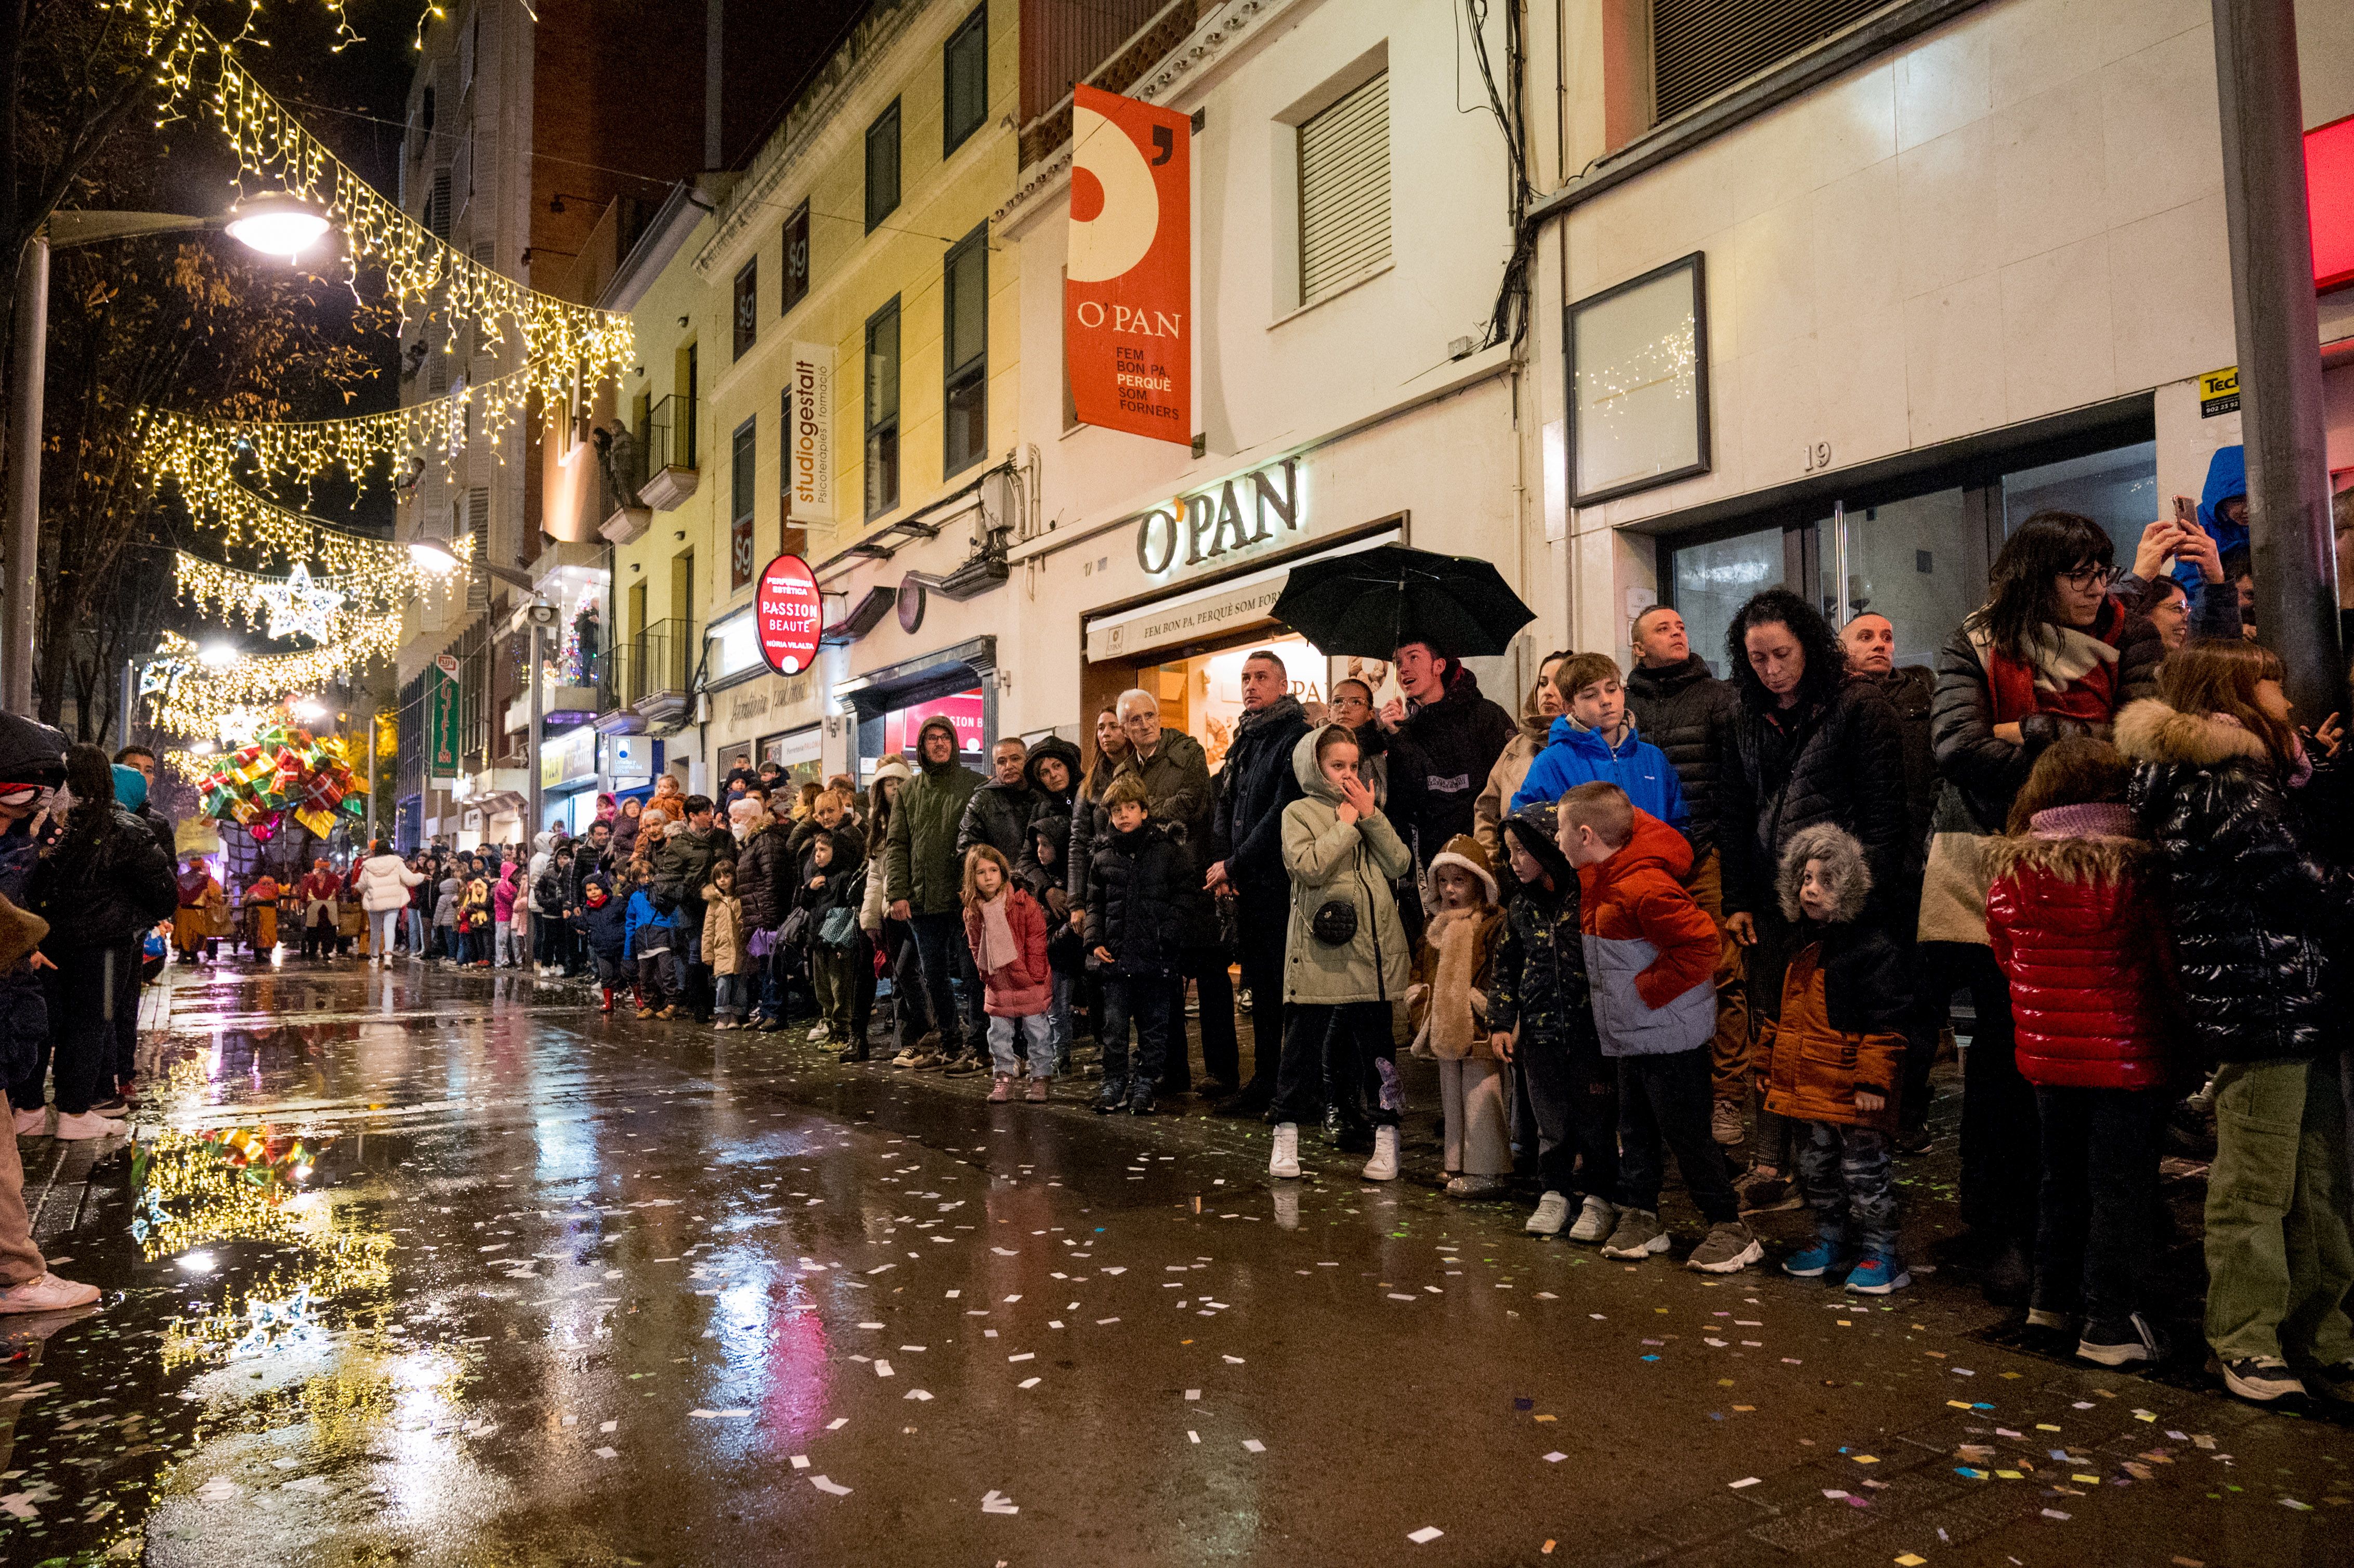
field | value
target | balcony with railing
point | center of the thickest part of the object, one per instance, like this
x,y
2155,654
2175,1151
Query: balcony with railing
x,y
621,484
667,449
647,681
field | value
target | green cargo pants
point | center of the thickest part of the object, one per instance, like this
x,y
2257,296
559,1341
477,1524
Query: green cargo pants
x,y
2279,1259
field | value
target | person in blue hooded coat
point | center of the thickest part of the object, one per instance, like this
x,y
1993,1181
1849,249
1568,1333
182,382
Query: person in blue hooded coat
x,y
2223,512
1594,742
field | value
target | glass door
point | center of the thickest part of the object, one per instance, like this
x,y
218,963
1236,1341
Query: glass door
x,y
1712,581
1909,560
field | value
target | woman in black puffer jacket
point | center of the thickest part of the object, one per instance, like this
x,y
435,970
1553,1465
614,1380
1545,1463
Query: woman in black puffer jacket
x,y
2259,925
101,886
1807,744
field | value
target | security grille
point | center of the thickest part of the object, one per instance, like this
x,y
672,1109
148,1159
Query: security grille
x,y
478,524
1701,48
436,205
1344,188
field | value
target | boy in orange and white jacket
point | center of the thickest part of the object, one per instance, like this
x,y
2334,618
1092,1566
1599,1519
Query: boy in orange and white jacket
x,y
1650,954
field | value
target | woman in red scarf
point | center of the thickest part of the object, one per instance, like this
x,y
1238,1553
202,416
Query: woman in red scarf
x,y
2051,653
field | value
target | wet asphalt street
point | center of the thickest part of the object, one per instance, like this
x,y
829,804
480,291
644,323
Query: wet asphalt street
x,y
420,1268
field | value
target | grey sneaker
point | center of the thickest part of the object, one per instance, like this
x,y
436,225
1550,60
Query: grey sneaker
x,y
1638,1234
1730,1248
1725,1122
1765,1191
1595,1221
1552,1213
2259,1378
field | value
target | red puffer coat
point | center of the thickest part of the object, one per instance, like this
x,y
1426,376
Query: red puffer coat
x,y
2091,970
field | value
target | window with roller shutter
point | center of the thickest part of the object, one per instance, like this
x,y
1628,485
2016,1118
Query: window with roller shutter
x,y
1702,48
1344,189
436,205
478,524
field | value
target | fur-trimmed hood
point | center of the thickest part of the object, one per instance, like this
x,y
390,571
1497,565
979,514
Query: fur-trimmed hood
x,y
2092,857
2149,731
1843,862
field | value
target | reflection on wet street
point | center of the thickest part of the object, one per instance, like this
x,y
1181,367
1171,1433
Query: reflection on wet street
x,y
420,1268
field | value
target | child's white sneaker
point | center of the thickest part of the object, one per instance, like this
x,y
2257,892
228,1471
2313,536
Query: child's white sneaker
x,y
1284,1161
1595,1221
1382,1166
1552,1213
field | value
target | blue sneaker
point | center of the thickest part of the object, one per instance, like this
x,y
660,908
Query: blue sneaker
x,y
1819,1258
1877,1274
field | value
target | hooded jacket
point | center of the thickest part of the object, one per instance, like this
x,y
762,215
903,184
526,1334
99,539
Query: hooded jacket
x,y
1026,987
103,889
921,863
2258,919
723,931
504,892
385,882
1538,983
2075,922
1844,996
1134,881
1330,861
1176,779
1577,755
1459,735
764,872
1911,689
1488,811
543,855
2227,480
872,905
1839,760
1254,787
682,869
1688,713
605,925
1650,950
1051,807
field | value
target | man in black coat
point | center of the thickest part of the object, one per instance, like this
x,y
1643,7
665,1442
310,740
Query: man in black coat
x,y
999,814
1459,734
1685,711
158,825
1247,845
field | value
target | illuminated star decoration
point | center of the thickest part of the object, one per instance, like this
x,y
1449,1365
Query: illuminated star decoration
x,y
158,674
295,607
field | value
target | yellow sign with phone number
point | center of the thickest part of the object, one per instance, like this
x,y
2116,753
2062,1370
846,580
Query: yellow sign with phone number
x,y
2219,392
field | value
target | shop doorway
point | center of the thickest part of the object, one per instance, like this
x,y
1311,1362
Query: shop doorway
x,y
1200,688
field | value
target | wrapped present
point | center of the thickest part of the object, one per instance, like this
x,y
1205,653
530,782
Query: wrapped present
x,y
317,823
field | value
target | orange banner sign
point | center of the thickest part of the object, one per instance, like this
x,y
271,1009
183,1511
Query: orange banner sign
x,y
1127,300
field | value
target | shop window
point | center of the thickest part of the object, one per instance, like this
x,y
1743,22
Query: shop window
x,y
1713,580
2117,489
965,89
1702,48
883,409
797,257
739,529
1344,188
965,351
883,166
1902,560
747,307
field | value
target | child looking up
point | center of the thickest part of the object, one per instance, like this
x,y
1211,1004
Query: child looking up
x,y
723,945
1541,1019
1007,932
604,927
1594,742
2077,928
1453,972
1345,956
1651,953
1834,1060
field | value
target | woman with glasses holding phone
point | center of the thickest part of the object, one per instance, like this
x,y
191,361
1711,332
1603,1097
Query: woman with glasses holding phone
x,y
2051,652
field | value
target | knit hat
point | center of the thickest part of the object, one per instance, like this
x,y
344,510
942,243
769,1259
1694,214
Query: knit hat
x,y
1465,853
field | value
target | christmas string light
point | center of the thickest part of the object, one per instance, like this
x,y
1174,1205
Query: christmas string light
x,y
199,455
244,519
203,695
567,347
245,596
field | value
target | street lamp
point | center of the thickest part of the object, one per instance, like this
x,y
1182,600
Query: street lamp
x,y
432,555
278,225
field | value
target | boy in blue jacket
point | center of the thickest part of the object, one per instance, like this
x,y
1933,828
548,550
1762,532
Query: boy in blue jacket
x,y
646,938
1594,742
603,925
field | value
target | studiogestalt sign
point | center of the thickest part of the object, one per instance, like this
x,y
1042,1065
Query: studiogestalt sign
x,y
1209,524
808,434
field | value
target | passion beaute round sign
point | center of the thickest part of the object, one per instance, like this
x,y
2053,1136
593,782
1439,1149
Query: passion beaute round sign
x,y
787,614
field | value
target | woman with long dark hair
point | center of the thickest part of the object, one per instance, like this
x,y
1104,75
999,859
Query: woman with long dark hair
x,y
101,886
2051,653
1807,744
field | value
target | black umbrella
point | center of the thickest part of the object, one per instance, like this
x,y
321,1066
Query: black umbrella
x,y
1372,601
31,752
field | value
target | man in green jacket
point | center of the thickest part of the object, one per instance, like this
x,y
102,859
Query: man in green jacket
x,y
923,878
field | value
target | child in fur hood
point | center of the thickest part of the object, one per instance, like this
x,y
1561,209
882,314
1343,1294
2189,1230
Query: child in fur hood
x,y
1835,1060
1449,1000
2076,927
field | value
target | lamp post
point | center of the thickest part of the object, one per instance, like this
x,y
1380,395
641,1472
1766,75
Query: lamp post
x,y
277,225
433,556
